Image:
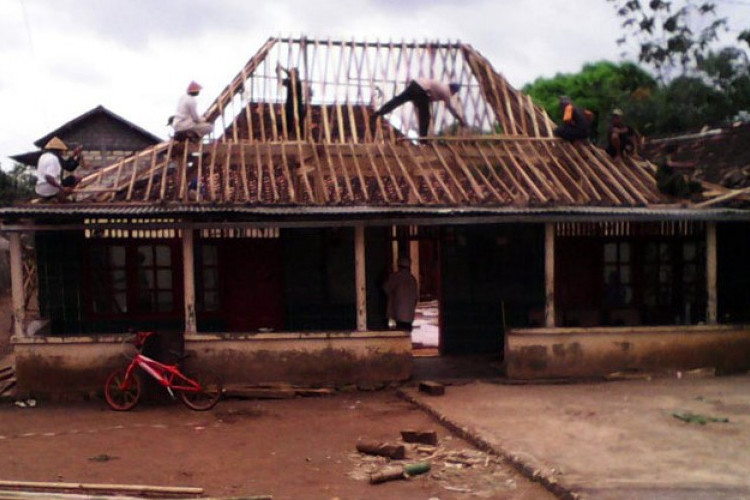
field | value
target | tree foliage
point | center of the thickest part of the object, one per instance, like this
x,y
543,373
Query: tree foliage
x,y
676,34
15,185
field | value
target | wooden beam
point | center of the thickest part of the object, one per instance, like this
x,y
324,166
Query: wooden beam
x,y
711,276
188,269
360,274
16,283
549,274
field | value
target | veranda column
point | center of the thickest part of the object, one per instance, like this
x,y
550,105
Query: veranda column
x,y
16,283
360,276
188,272
711,306
549,274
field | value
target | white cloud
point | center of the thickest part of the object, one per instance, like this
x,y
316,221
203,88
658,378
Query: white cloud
x,y
60,58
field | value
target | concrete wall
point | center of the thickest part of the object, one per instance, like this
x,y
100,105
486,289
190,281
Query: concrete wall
x,y
538,353
57,365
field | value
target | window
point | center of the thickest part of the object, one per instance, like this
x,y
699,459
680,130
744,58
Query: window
x,y
132,279
109,279
658,275
207,274
618,276
155,289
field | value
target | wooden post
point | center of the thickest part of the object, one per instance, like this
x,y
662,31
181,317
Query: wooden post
x,y
360,276
188,268
711,306
549,274
16,283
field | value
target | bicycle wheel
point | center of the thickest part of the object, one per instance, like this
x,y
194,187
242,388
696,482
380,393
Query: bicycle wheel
x,y
207,397
119,396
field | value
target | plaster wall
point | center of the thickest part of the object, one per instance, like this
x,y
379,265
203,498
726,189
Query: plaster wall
x,y
540,353
55,365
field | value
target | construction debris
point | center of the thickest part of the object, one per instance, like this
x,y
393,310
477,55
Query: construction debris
x,y
399,472
695,418
395,451
432,388
422,437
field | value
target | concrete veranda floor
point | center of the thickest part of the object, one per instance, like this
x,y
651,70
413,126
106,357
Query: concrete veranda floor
x,y
610,440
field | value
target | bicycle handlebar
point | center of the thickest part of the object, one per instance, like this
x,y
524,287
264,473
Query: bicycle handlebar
x,y
140,338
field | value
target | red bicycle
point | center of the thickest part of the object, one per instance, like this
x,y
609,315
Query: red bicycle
x,y
123,387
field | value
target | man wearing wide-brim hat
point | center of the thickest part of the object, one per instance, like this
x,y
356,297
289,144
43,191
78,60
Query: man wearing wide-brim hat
x,y
186,121
49,181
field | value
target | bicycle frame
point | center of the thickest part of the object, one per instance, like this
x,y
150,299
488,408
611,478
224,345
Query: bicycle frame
x,y
168,376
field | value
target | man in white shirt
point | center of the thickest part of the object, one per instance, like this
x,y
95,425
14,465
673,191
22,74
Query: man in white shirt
x,y
421,92
187,122
49,181
403,294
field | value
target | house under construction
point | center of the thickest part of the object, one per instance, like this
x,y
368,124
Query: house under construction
x,y
264,247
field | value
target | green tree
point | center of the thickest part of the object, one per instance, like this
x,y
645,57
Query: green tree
x,y
15,185
599,87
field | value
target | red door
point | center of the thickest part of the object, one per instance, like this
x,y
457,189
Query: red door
x,y
252,285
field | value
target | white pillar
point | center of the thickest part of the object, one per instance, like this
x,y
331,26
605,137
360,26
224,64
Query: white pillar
x,y
188,272
360,278
711,302
16,283
549,274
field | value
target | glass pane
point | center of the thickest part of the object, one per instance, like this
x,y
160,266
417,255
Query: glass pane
x,y
610,274
628,295
211,301
650,252
650,298
690,273
117,256
163,256
210,255
665,274
145,256
209,278
689,251
664,252
164,279
121,304
624,252
164,301
119,280
625,275
610,252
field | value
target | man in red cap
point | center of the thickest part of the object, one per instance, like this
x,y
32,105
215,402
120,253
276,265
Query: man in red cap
x,y
186,121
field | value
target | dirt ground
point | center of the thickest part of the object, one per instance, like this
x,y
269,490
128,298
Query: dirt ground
x,y
290,449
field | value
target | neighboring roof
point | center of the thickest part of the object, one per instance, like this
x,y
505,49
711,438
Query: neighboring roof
x,y
717,153
99,110
721,157
507,161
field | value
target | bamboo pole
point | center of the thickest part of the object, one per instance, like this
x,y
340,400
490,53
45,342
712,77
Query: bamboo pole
x,y
126,488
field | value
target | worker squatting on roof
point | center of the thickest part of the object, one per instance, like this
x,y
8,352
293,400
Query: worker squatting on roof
x,y
576,123
421,92
187,123
50,181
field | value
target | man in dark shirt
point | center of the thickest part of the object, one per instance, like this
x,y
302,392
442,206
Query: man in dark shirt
x,y
296,96
576,125
621,137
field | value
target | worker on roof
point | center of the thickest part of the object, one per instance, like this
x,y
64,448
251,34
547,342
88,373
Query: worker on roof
x,y
297,95
675,177
421,92
187,123
621,137
576,121
49,170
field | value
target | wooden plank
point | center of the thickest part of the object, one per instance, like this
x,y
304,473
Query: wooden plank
x,y
485,181
406,174
344,172
560,180
243,171
360,176
271,173
509,173
211,171
188,270
711,274
360,276
16,284
549,274
387,166
182,169
226,172
425,176
522,172
199,175
288,173
494,175
467,172
450,172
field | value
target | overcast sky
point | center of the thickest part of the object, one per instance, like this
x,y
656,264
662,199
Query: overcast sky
x,y
60,58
